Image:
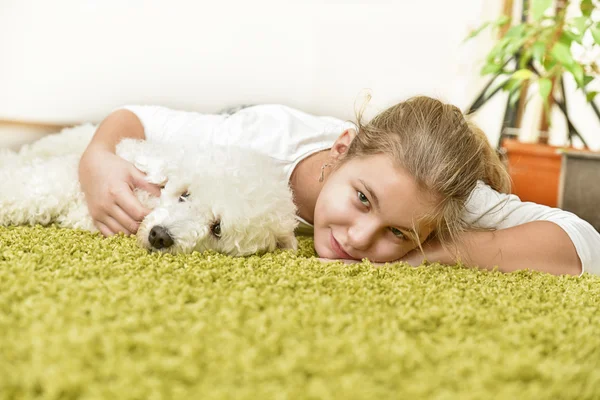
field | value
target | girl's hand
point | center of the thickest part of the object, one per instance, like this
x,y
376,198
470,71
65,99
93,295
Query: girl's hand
x,y
108,182
345,261
413,257
433,251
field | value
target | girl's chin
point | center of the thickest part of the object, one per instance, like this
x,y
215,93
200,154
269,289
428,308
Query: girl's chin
x,y
323,251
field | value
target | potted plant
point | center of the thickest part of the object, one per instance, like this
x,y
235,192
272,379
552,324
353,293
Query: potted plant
x,y
531,58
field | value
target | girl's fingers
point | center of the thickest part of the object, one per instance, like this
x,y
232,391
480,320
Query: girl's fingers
x,y
123,218
115,226
134,211
139,181
103,229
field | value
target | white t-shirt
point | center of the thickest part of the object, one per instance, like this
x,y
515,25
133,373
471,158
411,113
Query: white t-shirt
x,y
289,135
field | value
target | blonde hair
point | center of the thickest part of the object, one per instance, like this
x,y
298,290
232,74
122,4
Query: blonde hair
x,y
445,153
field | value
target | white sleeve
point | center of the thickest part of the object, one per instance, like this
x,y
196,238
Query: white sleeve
x,y
164,124
486,208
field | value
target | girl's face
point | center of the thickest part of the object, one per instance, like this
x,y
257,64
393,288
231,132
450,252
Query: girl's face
x,y
367,208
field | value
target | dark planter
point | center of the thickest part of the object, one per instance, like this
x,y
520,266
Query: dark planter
x,y
579,188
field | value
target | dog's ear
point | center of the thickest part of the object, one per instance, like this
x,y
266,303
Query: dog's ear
x,y
287,242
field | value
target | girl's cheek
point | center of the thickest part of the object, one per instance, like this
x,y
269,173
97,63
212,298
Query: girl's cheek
x,y
391,252
346,211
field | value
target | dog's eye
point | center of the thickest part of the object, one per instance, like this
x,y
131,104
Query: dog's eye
x,y
216,229
184,196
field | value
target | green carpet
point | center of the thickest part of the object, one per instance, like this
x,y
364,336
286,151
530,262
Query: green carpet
x,y
83,317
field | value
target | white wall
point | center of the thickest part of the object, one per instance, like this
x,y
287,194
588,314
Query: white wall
x,y
70,61
75,60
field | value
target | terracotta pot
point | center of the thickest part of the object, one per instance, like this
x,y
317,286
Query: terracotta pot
x,y
535,170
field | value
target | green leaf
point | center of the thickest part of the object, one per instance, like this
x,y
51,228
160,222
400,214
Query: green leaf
x,y
516,31
577,71
514,96
522,74
490,68
566,39
539,50
477,31
511,84
580,23
590,96
525,58
569,37
587,79
539,7
497,52
562,53
579,75
503,20
549,63
545,86
514,46
595,29
586,7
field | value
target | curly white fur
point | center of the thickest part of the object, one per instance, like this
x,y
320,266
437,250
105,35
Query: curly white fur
x,y
238,202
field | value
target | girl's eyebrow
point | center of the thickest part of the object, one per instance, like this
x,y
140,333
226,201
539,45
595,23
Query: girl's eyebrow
x,y
376,202
372,193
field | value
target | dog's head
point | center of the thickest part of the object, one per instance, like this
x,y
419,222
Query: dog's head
x,y
236,211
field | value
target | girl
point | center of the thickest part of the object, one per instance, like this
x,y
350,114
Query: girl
x,y
418,182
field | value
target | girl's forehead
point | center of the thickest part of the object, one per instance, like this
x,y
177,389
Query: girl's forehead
x,y
380,168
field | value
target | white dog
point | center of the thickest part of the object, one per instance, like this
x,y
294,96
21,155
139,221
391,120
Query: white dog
x,y
225,199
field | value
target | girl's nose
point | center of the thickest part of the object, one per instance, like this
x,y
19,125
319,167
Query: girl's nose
x,y
361,235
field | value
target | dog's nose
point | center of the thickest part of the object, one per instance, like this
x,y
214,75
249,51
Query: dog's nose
x,y
159,237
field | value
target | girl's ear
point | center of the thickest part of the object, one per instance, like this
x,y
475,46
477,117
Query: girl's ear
x,y
340,146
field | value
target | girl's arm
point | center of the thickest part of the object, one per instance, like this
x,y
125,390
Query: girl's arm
x,y
108,181
118,125
525,235
541,245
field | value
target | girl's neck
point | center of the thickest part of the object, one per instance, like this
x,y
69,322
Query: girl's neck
x,y
305,184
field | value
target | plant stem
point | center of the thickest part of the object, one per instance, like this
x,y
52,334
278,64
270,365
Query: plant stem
x,y
561,11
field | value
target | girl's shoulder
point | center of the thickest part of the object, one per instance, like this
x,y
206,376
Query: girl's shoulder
x,y
288,133
281,112
488,208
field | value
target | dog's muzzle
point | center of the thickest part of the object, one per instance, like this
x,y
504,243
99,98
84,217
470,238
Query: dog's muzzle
x,y
159,238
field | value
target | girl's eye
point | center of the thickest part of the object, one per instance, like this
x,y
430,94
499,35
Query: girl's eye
x,y
216,229
362,198
397,232
184,196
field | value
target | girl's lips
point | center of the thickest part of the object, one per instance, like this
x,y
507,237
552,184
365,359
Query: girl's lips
x,y
337,249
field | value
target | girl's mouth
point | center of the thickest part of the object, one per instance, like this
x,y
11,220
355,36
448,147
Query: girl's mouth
x,y
337,248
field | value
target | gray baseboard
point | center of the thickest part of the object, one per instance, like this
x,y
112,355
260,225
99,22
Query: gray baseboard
x,y
579,188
